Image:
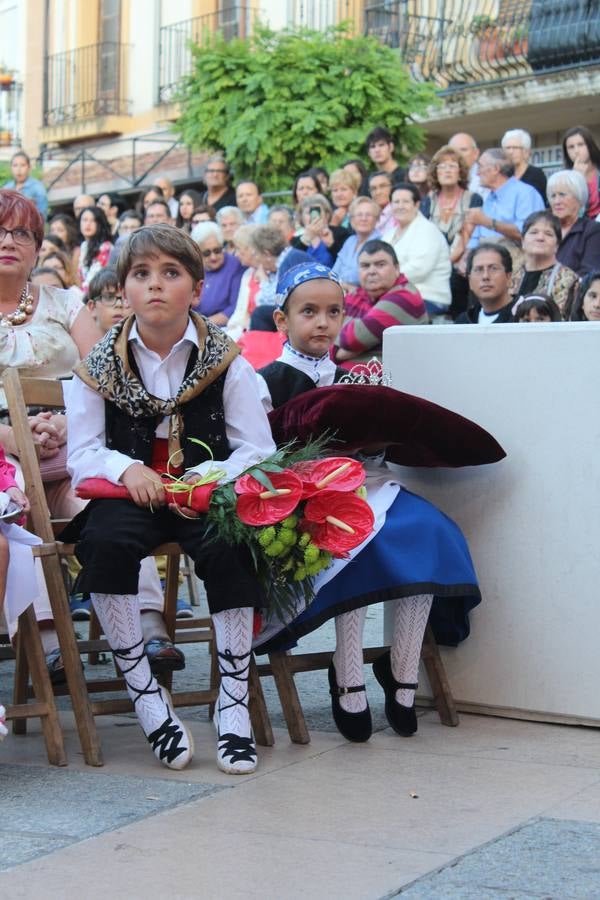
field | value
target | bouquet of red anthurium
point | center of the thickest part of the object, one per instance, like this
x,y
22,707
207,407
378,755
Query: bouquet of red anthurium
x,y
293,513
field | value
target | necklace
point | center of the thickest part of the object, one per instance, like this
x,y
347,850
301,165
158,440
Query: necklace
x,y
24,309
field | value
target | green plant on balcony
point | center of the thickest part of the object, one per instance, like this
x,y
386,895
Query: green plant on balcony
x,y
482,25
281,102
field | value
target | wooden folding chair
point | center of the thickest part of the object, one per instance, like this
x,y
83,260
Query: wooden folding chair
x,y
28,643
283,666
48,394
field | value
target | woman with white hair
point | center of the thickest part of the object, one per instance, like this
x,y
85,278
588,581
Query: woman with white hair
x,y
229,219
222,274
517,145
579,248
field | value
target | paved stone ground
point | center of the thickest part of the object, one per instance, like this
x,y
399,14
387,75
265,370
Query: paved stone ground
x,y
537,853
546,859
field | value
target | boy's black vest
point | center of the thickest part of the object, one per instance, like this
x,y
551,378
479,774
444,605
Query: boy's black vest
x,y
203,418
285,381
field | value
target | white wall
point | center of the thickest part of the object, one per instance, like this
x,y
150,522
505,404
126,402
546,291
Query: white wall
x,y
532,520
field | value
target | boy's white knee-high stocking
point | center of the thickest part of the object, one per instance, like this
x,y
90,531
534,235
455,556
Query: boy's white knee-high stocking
x,y
119,617
348,657
236,752
410,621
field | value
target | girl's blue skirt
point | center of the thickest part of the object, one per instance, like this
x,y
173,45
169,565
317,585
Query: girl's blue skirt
x,y
419,550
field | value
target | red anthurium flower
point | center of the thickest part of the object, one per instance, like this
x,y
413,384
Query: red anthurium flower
x,y
258,506
197,498
336,473
338,521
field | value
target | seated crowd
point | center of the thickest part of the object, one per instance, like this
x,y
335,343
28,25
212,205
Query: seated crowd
x,y
460,237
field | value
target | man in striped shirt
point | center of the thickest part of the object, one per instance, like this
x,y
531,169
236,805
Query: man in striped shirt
x,y
385,297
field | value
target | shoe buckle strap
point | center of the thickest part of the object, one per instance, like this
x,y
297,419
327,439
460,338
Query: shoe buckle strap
x,y
342,691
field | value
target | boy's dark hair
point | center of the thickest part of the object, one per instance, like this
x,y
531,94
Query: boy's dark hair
x,y
58,242
379,133
503,253
105,278
152,239
375,246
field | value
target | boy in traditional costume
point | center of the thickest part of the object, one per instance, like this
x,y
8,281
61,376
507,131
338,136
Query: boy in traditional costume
x,y
161,376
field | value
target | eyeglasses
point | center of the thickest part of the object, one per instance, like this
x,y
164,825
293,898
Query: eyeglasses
x,y
493,269
19,235
418,166
111,299
215,171
447,166
207,253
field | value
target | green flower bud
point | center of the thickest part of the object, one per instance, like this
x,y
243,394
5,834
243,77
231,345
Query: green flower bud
x,y
275,548
304,540
266,536
291,522
311,554
287,537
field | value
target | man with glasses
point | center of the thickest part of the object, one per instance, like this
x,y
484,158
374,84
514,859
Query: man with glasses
x,y
489,270
507,205
217,177
158,213
380,189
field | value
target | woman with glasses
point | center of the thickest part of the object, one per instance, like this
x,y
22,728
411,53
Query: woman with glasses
x,y
416,173
222,274
446,207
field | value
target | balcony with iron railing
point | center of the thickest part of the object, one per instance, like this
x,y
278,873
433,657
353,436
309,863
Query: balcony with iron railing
x,y
457,47
174,42
86,83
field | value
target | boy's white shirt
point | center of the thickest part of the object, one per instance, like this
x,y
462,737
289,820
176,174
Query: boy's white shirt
x,y
321,371
246,424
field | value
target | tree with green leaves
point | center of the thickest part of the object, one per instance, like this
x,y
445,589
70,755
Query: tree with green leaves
x,y
281,102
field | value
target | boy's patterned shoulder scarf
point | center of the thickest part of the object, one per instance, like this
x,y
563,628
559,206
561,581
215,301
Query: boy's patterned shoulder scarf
x,y
107,370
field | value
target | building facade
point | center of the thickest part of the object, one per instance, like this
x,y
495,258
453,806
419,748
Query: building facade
x,y
88,86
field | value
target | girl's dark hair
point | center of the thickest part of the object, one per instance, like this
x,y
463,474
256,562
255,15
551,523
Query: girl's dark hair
x,y
149,187
312,177
588,137
543,215
197,200
543,303
406,186
46,270
73,235
103,233
574,305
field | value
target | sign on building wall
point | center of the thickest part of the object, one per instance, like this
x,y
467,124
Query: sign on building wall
x,y
550,159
